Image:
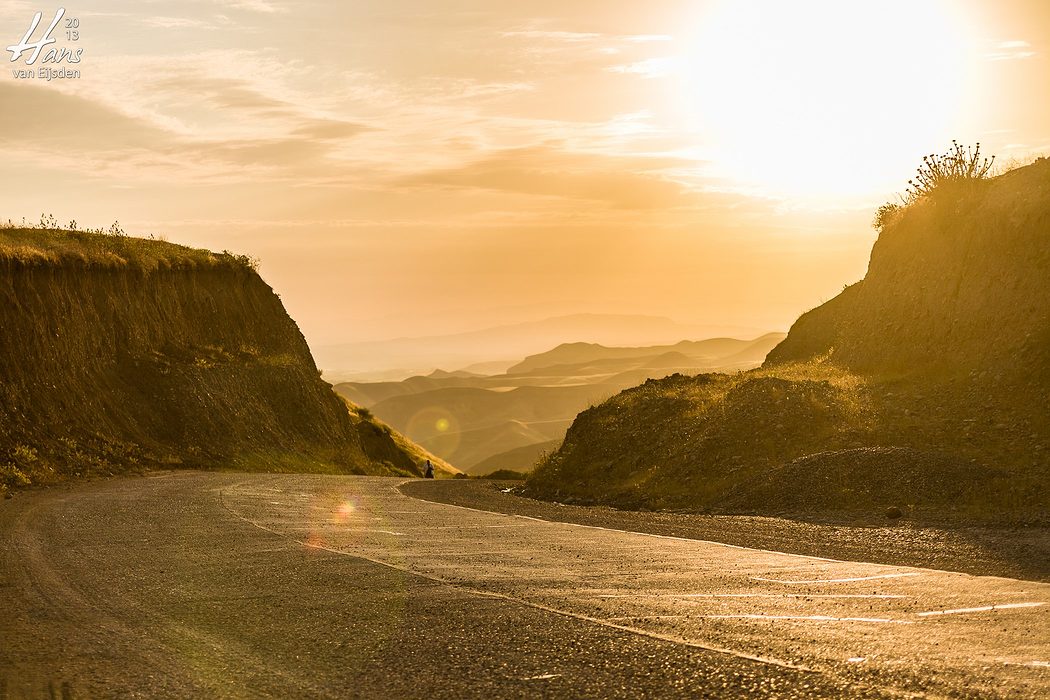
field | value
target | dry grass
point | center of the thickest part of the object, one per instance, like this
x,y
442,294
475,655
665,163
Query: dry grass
x,y
52,247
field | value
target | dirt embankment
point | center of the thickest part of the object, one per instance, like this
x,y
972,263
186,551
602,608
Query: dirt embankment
x,y
118,352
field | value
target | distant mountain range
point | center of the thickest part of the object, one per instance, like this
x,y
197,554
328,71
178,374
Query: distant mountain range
x,y
482,423
493,350
686,351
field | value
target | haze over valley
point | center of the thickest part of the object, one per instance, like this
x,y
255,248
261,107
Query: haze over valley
x,y
506,421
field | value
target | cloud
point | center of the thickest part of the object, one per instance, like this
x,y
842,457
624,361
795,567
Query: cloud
x,y
223,93
39,117
1011,50
650,68
330,129
34,122
178,23
568,37
549,171
264,6
646,38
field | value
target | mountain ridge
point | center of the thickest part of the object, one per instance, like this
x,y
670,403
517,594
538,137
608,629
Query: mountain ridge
x,y
470,419
462,350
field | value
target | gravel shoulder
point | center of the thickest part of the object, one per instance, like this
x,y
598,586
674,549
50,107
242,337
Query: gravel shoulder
x,y
1021,552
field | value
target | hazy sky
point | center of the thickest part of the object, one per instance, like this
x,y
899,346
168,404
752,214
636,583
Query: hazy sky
x,y
406,167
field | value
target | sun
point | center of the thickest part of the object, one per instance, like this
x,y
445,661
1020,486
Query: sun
x,y
821,98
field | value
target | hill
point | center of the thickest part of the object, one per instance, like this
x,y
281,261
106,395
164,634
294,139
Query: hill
x,y
473,350
923,387
703,350
469,419
120,353
519,459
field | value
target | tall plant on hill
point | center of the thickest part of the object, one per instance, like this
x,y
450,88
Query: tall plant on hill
x,y
959,165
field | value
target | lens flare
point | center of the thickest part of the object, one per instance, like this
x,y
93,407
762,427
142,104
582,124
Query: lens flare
x,y
436,428
343,512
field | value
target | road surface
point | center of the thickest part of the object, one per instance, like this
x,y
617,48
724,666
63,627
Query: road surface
x,y
232,585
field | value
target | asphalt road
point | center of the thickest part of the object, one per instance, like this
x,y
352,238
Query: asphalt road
x,y
230,585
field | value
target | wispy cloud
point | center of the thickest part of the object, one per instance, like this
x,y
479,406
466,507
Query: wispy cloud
x,y
117,144
265,6
657,67
179,23
647,38
1010,51
549,170
547,35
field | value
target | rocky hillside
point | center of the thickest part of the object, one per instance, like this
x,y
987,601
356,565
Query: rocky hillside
x,y
118,352
923,389
956,283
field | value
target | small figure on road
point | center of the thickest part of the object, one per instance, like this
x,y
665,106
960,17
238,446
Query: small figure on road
x,y
428,471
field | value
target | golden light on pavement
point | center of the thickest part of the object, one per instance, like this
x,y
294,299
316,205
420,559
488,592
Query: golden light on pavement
x,y
343,512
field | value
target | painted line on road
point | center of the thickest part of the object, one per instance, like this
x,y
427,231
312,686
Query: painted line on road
x,y
538,606
836,580
467,527
461,554
639,618
363,530
810,618
985,608
880,596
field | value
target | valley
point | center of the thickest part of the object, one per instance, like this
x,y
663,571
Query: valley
x,y
483,423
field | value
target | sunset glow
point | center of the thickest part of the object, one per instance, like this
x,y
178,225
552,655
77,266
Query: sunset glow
x,y
404,170
792,97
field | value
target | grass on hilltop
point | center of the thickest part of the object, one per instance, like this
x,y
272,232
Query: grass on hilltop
x,y
47,245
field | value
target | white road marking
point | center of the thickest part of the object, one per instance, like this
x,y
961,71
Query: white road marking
x,y
836,580
468,527
1029,664
986,608
462,554
544,677
881,596
812,618
638,618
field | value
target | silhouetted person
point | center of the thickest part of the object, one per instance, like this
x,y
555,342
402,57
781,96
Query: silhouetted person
x,y
428,471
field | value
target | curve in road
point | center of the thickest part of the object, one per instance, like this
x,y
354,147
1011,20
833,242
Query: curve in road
x,y
234,585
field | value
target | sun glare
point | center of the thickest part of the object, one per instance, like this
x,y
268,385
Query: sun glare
x,y
824,98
